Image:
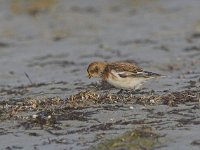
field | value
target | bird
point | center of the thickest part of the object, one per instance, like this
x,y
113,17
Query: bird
x,y
121,75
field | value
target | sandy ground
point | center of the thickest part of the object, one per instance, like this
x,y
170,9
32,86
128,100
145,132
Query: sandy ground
x,y
46,100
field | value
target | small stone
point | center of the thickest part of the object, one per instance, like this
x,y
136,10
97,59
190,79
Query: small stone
x,y
195,142
152,101
131,107
34,116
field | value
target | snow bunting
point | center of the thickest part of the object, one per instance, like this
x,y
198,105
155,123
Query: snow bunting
x,y
121,75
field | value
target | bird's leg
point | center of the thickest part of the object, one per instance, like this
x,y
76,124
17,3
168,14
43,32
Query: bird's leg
x,y
124,92
136,91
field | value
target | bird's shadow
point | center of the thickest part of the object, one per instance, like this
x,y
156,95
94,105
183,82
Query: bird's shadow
x,y
103,86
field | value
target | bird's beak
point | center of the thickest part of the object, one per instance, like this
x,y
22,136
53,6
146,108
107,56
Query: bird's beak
x,y
89,76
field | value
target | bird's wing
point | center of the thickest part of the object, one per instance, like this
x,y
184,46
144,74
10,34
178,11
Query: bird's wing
x,y
143,74
124,67
130,70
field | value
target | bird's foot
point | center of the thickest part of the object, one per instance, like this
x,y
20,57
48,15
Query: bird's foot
x,y
120,91
137,91
125,92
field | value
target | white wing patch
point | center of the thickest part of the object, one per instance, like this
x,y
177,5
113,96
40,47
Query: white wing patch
x,y
143,74
122,73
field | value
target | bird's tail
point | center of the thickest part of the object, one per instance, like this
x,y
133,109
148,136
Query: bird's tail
x,y
152,74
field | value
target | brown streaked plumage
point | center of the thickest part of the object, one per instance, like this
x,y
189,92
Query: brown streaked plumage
x,y
95,69
122,75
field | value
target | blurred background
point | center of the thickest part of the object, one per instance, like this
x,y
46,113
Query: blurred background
x,y
46,45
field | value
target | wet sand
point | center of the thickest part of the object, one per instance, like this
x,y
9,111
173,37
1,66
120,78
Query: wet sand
x,y
46,100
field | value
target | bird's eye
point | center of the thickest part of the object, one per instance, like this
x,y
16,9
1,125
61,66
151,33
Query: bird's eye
x,y
96,69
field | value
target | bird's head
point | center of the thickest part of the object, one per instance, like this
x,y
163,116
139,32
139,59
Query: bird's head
x,y
95,69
